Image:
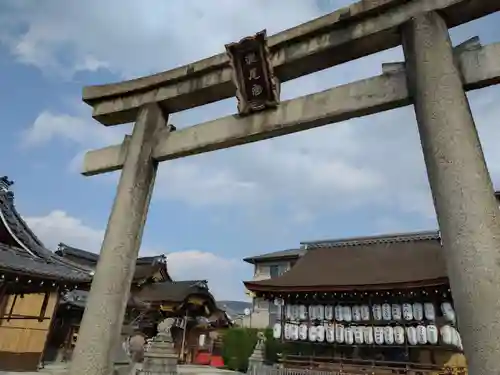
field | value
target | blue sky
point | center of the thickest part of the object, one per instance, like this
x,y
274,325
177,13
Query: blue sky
x,y
360,177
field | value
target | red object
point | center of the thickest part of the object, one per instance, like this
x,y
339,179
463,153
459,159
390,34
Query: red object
x,y
203,359
217,361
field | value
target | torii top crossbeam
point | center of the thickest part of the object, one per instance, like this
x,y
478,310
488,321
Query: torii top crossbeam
x,y
361,29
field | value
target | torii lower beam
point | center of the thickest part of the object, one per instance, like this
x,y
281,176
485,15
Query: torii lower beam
x,y
480,67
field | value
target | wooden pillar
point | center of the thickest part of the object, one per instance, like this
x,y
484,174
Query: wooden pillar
x,y
464,200
102,322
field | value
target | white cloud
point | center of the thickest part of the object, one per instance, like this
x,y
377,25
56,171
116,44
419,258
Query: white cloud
x,y
74,36
58,226
224,274
373,162
49,126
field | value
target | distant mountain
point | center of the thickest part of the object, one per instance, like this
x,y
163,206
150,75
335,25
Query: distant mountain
x,y
234,308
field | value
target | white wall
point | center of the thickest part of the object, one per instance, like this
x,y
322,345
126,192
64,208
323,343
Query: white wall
x,y
264,313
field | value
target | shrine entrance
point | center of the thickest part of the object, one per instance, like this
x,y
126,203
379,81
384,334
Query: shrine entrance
x,y
433,78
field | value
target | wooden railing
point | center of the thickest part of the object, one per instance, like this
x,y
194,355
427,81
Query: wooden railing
x,y
297,365
354,370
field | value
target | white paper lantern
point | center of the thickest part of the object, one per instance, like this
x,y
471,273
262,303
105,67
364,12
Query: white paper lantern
x,y
448,312
411,334
312,333
396,311
399,335
312,312
347,313
459,341
295,332
421,334
303,331
365,312
386,311
377,312
329,312
432,334
320,333
429,311
330,333
287,332
277,330
339,333
320,312
302,312
407,311
454,337
378,332
356,313
339,313
368,335
446,334
418,311
295,312
291,329
358,334
389,335
349,336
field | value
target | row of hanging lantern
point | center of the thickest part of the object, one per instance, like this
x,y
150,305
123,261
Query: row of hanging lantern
x,y
388,335
386,312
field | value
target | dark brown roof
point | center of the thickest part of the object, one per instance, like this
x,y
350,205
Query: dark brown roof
x,y
145,268
78,299
276,255
361,263
174,291
22,252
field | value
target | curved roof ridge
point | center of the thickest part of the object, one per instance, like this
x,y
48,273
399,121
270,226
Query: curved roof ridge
x,y
377,239
22,233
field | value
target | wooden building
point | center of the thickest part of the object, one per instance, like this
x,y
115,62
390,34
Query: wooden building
x,y
368,305
195,309
43,295
32,279
154,296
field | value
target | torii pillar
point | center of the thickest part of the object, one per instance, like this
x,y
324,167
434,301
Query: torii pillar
x,y
100,328
464,199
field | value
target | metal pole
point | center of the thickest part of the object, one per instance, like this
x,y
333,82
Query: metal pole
x,y
184,335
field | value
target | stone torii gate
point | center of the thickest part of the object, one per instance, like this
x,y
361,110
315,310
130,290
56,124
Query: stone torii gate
x,y
434,79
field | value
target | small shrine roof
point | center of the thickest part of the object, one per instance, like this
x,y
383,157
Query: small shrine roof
x,y
363,263
276,255
174,291
145,268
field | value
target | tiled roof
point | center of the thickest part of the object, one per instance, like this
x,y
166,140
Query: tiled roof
x,y
362,262
17,260
78,298
64,249
391,238
29,255
145,266
174,291
277,255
